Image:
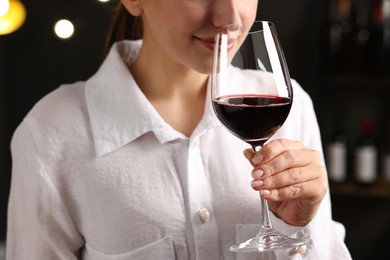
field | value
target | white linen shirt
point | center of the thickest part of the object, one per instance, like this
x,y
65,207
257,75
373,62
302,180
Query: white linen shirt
x,y
98,174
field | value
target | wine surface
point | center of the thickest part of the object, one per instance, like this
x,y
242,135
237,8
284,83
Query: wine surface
x,y
252,118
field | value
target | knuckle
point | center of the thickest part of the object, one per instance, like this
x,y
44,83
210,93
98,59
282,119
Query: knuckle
x,y
282,145
294,174
294,191
275,146
268,150
290,192
269,182
290,157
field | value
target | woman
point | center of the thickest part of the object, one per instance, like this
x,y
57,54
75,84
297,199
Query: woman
x,y
133,164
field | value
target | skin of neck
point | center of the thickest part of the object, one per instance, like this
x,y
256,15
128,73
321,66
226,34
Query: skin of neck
x,y
177,92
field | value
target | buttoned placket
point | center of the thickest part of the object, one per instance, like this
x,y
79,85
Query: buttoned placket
x,y
204,228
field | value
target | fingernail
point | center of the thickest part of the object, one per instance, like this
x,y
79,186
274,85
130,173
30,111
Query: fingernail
x,y
265,192
257,158
257,184
256,174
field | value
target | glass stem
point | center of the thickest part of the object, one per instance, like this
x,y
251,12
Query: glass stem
x,y
266,224
266,219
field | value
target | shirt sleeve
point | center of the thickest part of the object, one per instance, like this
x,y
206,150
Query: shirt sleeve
x,y
39,225
327,236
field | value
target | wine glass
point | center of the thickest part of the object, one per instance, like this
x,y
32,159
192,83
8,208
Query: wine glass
x,y
252,95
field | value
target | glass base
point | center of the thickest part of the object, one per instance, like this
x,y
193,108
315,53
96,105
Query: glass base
x,y
269,241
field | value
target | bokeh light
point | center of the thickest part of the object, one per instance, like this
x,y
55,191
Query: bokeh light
x,y
64,29
4,7
12,16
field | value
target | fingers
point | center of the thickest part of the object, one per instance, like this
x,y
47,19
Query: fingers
x,y
286,170
312,192
305,182
287,177
273,148
248,153
287,160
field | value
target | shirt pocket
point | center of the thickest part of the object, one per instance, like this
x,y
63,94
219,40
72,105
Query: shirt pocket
x,y
245,232
161,249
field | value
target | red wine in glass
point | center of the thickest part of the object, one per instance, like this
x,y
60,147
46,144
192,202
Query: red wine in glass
x,y
252,118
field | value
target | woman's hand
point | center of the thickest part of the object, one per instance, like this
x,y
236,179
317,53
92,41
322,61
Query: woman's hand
x,y
291,178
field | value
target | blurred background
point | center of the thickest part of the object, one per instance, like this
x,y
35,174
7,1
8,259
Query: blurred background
x,y
338,50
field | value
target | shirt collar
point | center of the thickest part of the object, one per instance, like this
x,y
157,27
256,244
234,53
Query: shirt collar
x,y
119,112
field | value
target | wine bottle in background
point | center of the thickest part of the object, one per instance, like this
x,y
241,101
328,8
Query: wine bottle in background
x,y
380,43
362,38
336,155
384,54
386,156
366,154
332,39
339,37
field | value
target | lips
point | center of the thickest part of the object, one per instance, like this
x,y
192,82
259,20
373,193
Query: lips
x,y
209,42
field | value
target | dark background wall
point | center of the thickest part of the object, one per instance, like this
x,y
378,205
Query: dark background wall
x,y
33,62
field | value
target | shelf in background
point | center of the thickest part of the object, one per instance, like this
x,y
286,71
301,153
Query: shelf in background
x,y
379,189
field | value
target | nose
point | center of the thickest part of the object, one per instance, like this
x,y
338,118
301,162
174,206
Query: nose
x,y
226,12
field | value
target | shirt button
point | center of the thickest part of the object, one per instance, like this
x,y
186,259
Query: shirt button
x,y
204,215
300,250
195,144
